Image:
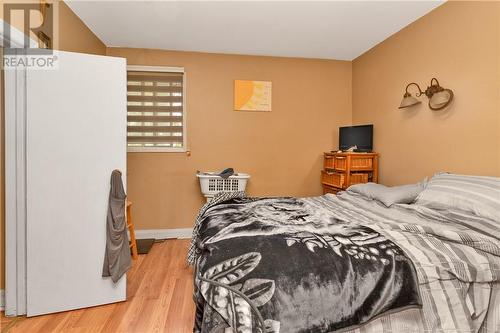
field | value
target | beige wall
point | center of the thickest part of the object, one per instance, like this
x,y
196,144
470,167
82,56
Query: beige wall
x,y
74,36
459,44
281,149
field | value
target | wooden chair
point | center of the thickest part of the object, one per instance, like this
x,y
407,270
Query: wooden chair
x,y
130,226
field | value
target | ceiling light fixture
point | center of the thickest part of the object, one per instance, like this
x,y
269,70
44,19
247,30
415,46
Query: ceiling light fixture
x,y
438,96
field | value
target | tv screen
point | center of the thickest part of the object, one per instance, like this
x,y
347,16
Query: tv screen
x,y
360,136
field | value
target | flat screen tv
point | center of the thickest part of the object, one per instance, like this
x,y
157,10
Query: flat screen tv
x,y
360,136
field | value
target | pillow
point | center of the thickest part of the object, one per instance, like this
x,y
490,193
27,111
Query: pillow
x,y
404,194
474,194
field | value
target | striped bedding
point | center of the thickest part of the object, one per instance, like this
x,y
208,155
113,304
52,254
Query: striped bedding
x,y
456,255
478,195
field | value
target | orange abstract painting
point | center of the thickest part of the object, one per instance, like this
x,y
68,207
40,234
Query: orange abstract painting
x,y
252,95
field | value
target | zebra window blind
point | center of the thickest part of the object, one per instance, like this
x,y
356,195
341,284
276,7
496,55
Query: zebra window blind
x,y
155,110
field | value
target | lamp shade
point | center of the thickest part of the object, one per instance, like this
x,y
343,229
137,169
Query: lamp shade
x,y
440,99
408,100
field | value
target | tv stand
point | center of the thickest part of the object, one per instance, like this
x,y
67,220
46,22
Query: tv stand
x,y
355,151
341,170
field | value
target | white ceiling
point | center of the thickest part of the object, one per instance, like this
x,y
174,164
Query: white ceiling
x,y
327,29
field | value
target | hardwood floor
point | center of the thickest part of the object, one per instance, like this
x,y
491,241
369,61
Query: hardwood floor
x,y
159,299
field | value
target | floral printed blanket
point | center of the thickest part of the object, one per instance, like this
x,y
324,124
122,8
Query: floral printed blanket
x,y
283,265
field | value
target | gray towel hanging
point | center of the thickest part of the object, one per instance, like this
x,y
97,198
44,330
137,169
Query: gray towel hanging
x,y
117,259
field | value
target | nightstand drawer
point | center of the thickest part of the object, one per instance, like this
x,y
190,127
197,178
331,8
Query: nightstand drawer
x,y
328,162
362,163
340,163
359,178
330,189
332,178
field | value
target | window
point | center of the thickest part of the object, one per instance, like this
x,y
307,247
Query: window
x,y
156,118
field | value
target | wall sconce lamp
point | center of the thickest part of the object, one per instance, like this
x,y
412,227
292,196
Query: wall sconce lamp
x,y
438,96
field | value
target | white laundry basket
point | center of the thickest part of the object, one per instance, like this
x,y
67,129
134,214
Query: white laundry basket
x,y
211,183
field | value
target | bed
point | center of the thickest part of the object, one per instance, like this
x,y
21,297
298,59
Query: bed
x,y
350,263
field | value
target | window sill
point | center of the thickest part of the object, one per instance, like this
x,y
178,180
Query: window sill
x,y
155,150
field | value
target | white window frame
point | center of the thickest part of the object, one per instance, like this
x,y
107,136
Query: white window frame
x,y
184,110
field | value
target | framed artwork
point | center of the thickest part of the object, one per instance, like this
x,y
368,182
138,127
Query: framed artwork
x,y
252,95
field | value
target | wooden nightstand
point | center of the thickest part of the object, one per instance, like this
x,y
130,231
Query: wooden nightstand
x,y
341,170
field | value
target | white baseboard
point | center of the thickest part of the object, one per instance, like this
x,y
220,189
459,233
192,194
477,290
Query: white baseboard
x,y
164,233
2,299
